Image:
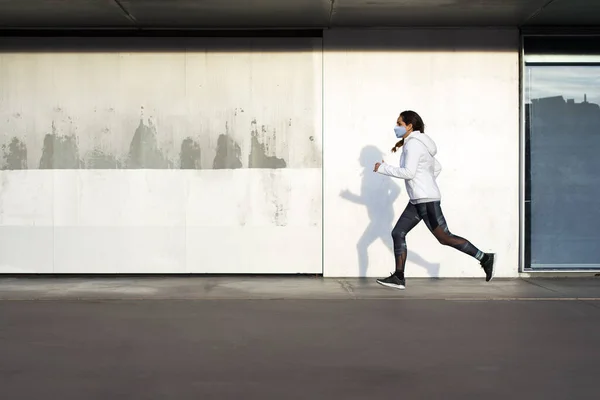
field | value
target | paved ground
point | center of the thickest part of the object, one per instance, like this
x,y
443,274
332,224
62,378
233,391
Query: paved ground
x,y
166,338
244,288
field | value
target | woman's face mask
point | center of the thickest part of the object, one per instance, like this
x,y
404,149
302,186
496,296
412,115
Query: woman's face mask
x,y
400,131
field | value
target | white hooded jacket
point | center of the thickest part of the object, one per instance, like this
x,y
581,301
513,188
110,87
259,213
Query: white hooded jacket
x,y
418,167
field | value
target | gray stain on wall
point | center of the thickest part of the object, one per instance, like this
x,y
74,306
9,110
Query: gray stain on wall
x,y
260,147
314,157
190,155
278,193
98,159
280,216
14,154
143,150
228,154
60,152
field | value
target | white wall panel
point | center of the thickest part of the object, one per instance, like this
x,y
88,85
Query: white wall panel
x,y
133,159
464,83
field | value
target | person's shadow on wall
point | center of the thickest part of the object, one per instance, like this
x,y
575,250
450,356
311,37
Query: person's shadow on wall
x,y
377,194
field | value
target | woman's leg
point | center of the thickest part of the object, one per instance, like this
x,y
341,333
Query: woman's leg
x,y
434,218
407,221
432,214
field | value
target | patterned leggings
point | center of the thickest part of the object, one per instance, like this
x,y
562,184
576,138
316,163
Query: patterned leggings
x,y
431,213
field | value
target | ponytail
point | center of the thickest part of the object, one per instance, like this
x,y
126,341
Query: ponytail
x,y
397,145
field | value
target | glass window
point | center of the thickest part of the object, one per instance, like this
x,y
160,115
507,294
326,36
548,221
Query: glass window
x,y
562,136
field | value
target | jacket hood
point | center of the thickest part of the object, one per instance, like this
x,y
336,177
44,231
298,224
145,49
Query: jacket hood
x,y
426,140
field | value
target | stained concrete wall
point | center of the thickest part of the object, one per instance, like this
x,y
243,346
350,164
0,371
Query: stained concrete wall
x,y
465,85
160,155
204,156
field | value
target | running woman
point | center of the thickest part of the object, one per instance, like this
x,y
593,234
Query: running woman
x,y
419,169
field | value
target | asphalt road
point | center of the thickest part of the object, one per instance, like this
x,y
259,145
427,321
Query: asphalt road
x,y
300,349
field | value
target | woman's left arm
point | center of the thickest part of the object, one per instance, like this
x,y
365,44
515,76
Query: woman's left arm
x,y
411,162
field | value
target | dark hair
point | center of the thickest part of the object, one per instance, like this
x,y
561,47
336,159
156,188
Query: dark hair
x,y
410,118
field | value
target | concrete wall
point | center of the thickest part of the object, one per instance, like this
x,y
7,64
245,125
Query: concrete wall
x,y
146,157
464,83
139,155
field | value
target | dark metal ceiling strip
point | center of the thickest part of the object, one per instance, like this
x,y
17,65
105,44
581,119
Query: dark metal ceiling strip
x,y
126,12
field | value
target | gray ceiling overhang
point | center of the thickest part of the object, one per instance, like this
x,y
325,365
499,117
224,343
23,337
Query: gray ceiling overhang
x,y
294,14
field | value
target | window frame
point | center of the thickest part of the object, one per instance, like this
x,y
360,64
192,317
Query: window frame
x,y
555,48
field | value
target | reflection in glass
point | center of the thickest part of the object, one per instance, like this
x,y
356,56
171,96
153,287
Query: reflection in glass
x,y
562,122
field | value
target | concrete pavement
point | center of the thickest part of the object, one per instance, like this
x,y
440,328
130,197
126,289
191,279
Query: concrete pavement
x,y
298,338
235,287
